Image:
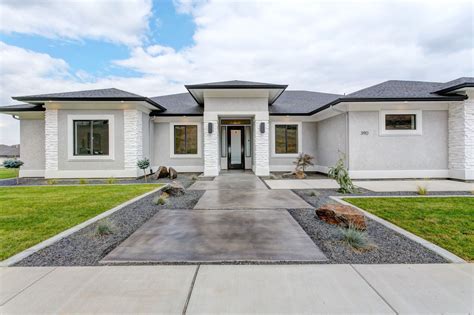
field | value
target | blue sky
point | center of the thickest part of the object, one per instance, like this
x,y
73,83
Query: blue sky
x,y
155,47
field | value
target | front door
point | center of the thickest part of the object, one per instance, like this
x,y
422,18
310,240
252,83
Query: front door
x,y
235,147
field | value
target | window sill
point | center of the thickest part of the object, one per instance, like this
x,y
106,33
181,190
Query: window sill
x,y
285,155
185,156
91,158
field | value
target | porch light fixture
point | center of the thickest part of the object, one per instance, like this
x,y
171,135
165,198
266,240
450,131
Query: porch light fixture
x,y
262,127
209,127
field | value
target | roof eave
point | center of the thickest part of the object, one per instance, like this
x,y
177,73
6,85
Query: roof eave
x,y
454,87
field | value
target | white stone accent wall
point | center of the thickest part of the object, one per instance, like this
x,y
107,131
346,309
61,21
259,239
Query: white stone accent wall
x,y
461,140
133,138
262,149
211,149
51,139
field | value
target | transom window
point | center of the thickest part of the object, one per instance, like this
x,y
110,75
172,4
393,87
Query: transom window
x,y
400,122
185,139
286,139
91,137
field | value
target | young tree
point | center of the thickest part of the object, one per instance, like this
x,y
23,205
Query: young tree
x,y
143,165
302,162
15,164
341,175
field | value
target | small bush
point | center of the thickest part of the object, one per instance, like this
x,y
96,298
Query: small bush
x,y
312,193
104,227
83,181
355,238
111,180
194,177
14,164
161,199
341,175
51,182
421,190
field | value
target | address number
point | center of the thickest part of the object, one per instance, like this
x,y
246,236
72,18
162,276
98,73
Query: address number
x,y
364,133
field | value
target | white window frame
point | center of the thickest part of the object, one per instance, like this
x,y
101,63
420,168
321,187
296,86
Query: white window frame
x,y
199,140
70,137
384,132
300,139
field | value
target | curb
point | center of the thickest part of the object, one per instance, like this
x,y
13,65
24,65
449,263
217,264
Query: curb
x,y
433,247
33,249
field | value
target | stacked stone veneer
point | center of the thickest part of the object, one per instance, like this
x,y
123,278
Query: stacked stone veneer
x,y
133,147
51,139
211,149
262,149
461,139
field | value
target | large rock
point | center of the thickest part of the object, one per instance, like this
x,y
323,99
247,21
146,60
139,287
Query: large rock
x,y
173,173
342,215
174,189
300,175
162,172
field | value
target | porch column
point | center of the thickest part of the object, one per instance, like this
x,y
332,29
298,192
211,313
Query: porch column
x,y
133,135
461,139
211,147
51,142
262,147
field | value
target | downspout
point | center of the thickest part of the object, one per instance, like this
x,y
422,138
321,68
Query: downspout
x,y
347,133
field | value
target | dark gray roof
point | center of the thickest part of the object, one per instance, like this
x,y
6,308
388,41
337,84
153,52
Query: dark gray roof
x,y
178,104
235,84
455,84
398,89
9,150
22,108
294,102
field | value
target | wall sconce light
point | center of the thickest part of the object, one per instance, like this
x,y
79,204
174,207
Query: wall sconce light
x,y
209,127
262,127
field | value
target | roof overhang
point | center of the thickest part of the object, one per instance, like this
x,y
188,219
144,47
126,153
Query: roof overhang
x,y
197,91
455,88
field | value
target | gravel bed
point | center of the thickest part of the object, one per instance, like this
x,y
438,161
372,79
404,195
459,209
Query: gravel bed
x,y
388,247
85,248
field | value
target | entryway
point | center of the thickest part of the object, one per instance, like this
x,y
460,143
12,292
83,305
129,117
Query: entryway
x,y
235,147
235,143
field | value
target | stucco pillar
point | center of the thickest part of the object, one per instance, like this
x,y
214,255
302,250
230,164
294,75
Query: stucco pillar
x,y
51,142
262,148
133,148
461,139
211,148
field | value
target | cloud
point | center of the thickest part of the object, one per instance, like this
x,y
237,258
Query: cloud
x,y
117,21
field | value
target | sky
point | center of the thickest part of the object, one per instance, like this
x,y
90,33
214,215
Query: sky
x,y
155,47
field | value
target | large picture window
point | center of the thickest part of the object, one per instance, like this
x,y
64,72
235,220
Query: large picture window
x,y
91,137
286,139
185,139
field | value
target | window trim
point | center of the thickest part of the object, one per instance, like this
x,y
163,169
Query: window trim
x,y
384,132
300,142
199,140
71,140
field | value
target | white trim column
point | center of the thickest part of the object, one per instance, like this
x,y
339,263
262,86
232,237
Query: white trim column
x,y
211,147
133,148
51,141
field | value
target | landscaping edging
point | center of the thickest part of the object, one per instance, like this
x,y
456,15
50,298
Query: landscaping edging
x,y
48,242
433,247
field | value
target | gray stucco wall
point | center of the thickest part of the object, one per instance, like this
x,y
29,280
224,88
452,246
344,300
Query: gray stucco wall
x,y
428,151
32,144
65,164
161,153
309,145
331,139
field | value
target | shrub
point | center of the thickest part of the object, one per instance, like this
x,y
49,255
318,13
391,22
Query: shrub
x,y
15,164
161,199
312,193
194,177
143,165
111,180
303,161
355,238
341,175
421,190
51,182
83,181
104,227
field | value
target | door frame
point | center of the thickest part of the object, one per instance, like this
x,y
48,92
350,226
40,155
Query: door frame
x,y
242,148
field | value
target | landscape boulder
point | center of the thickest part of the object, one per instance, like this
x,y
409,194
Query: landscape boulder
x,y
300,175
162,172
173,173
342,215
174,189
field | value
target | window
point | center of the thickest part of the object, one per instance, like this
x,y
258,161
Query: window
x,y
400,122
286,139
223,141
91,137
185,139
248,141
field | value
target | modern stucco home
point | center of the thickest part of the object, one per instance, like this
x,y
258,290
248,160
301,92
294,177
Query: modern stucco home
x,y
395,129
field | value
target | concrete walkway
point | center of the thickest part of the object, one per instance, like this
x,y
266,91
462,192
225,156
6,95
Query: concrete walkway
x,y
239,289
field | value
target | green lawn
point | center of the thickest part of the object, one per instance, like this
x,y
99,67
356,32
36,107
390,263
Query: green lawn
x,y
7,173
29,215
445,221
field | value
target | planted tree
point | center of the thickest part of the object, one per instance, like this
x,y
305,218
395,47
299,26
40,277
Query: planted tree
x,y
301,163
341,175
143,165
15,164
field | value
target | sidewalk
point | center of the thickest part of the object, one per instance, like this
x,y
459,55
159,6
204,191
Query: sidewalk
x,y
207,289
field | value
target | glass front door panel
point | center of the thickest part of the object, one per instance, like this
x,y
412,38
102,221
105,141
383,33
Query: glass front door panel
x,y
235,147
